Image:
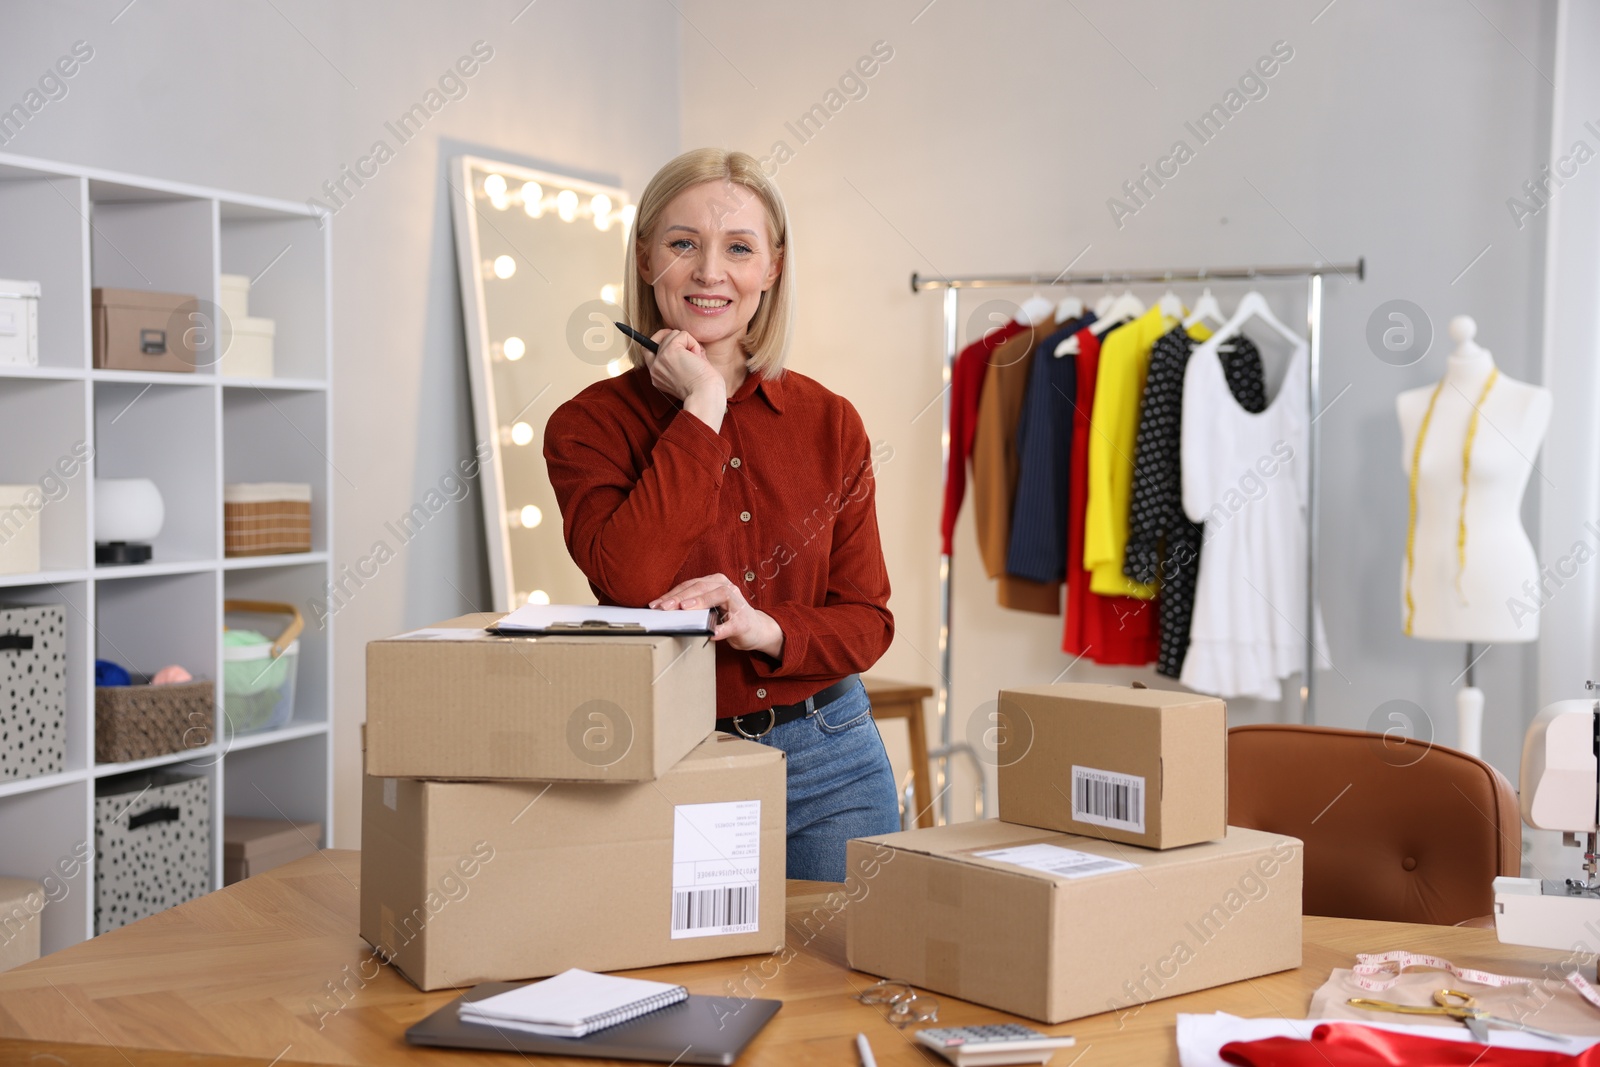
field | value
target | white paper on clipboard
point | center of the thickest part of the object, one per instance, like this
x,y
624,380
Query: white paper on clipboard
x,y
598,619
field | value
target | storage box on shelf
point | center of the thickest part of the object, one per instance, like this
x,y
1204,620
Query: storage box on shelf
x,y
21,902
251,846
260,656
152,845
139,330
19,529
135,722
19,323
46,455
282,260
73,417
33,690
266,518
247,339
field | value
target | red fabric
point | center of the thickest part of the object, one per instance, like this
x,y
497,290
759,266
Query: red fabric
x,y
1353,1045
650,497
966,387
1112,630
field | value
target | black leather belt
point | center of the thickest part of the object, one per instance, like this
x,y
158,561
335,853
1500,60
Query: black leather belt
x,y
756,724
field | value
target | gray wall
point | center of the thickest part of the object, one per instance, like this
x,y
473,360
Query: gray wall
x,y
272,99
991,143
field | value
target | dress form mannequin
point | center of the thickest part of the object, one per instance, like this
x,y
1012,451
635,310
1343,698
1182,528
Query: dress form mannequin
x,y
1450,600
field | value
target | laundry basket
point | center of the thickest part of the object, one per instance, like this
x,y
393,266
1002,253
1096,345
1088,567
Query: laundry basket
x,y
260,654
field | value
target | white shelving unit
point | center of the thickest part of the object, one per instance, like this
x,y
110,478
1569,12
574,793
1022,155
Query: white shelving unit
x,y
75,228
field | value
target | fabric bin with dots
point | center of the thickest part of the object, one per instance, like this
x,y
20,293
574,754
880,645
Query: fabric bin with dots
x,y
152,845
33,690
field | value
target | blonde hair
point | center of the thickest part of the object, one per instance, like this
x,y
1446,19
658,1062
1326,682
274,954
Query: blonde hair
x,y
766,340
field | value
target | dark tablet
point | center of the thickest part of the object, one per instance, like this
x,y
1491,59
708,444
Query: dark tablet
x,y
697,1030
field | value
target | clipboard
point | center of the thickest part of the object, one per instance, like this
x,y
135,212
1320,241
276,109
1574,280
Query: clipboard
x,y
592,620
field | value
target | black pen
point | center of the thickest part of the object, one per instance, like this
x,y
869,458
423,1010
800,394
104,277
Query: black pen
x,y
637,336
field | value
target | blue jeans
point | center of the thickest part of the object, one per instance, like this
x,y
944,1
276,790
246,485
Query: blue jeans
x,y
840,784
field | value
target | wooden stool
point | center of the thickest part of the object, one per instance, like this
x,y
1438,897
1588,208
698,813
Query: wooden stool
x,y
901,700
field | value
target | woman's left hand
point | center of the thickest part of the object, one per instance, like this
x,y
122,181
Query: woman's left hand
x,y
741,625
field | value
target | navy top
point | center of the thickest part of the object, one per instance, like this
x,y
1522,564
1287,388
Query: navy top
x,y
1038,548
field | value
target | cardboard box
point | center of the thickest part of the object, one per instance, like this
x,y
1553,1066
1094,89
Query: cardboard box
x,y
1108,929
453,701
249,353
1142,766
250,846
21,507
465,882
135,329
21,901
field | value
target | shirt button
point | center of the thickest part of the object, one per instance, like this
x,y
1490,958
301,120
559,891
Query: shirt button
x,y
744,516
734,461
761,693
749,576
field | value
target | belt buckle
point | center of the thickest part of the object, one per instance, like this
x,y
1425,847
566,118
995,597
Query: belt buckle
x,y
772,720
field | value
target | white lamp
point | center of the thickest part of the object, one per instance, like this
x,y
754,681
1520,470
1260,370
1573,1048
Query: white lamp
x,y
128,515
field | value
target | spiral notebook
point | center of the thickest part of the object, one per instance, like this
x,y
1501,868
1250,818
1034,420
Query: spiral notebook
x,y
573,1004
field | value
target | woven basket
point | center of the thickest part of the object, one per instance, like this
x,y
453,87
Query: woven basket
x,y
139,721
266,519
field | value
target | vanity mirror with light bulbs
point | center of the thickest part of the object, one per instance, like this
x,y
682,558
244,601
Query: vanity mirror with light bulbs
x,y
540,258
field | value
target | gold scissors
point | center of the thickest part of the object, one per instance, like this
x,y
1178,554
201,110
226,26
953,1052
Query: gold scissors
x,y
1460,1006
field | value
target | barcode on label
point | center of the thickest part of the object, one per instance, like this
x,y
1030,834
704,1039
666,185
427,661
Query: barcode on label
x,y
714,909
1105,798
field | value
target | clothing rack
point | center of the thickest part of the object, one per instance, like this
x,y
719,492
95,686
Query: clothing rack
x,y
1312,273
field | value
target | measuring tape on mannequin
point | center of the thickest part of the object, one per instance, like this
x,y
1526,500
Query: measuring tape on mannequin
x,y
1380,971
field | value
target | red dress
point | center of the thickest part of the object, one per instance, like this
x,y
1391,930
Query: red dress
x,y
966,387
1111,630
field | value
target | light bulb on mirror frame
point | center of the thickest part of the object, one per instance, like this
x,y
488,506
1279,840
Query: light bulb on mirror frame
x,y
567,205
494,185
532,194
521,433
538,596
530,516
626,215
616,367
500,203
504,267
611,294
513,348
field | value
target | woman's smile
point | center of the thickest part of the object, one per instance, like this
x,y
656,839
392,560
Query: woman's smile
x,y
709,263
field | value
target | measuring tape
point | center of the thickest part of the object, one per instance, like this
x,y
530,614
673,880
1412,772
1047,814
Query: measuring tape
x,y
1381,971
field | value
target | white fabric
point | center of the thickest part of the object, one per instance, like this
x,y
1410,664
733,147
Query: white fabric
x,y
1244,477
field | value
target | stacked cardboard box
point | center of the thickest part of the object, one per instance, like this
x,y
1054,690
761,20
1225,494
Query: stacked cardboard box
x,y
539,803
1047,913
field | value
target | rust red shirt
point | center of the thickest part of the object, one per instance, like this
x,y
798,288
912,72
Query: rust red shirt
x,y
781,500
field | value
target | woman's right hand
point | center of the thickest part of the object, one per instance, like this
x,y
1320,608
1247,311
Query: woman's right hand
x,y
680,370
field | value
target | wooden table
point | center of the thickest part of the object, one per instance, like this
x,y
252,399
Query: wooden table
x,y
903,700
250,970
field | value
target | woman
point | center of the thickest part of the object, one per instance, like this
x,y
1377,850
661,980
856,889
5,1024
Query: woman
x,y
708,477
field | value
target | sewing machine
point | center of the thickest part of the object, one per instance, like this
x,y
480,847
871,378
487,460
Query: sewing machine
x,y
1560,781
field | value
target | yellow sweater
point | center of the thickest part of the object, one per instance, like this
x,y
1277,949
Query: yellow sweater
x,y
1113,438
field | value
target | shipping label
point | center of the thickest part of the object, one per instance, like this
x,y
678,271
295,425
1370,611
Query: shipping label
x,y
1053,859
716,868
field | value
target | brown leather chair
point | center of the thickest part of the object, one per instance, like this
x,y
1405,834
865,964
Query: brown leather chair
x,y
1394,828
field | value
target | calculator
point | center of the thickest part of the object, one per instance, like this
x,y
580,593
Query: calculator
x,y
976,1046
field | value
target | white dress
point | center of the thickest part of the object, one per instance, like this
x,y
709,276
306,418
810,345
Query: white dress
x,y
1244,478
